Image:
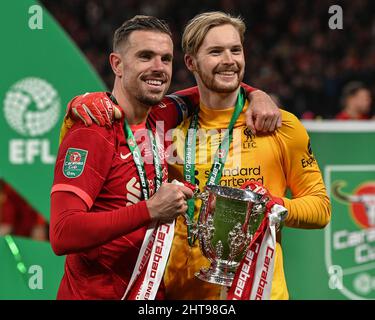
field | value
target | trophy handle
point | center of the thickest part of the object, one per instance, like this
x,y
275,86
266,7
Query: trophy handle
x,y
205,227
190,223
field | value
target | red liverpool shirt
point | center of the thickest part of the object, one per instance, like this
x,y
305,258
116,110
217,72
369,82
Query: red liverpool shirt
x,y
96,164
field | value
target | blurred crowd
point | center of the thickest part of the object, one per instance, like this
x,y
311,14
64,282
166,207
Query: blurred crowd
x,y
17,217
290,49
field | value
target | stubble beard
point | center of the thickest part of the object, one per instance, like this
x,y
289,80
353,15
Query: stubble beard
x,y
213,85
148,100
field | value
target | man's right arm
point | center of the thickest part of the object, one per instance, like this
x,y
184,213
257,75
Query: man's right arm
x,y
74,229
84,160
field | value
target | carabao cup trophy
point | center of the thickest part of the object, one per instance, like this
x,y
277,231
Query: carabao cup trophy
x,y
228,220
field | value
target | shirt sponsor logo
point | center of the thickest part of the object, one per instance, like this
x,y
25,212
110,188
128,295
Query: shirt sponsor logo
x,y
133,191
236,177
310,160
74,162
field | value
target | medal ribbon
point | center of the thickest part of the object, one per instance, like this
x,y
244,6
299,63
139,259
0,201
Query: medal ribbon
x,y
219,158
136,153
141,277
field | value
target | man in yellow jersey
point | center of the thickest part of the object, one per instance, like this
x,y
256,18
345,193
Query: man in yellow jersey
x,y
213,46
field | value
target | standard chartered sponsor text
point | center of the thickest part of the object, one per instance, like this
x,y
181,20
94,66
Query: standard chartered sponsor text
x,y
236,177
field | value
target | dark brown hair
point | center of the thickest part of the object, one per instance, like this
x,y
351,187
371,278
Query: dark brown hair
x,y
138,22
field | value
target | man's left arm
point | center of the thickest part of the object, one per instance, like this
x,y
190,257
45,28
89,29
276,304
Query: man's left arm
x,y
309,207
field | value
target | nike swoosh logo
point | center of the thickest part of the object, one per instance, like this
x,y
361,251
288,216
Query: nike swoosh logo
x,y
124,157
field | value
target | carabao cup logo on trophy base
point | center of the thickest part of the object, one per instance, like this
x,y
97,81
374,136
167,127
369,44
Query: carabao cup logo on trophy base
x,y
350,237
228,220
31,107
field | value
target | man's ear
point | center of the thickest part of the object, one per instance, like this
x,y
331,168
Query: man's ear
x,y
189,62
116,63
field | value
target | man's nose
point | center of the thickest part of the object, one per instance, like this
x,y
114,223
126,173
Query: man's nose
x,y
227,57
157,64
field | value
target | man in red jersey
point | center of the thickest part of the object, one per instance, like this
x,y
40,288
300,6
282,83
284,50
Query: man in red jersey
x,y
112,210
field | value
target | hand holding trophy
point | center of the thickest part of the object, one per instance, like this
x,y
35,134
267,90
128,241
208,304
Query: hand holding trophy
x,y
236,227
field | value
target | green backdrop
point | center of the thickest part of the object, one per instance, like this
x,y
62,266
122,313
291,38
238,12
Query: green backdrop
x,y
316,268
41,70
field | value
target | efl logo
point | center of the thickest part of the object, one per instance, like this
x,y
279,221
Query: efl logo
x,y
350,237
31,109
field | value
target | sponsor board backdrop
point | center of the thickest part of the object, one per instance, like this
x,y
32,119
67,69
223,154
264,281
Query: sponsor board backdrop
x,y
338,262
44,69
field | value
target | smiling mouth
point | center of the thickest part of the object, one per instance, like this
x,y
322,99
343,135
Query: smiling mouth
x,y
226,73
154,83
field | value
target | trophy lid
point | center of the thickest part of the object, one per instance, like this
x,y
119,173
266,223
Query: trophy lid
x,y
234,193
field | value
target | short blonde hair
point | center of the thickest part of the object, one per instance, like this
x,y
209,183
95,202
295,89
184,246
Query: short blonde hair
x,y
197,28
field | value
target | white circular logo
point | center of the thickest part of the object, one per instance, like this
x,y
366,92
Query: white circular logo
x,y
363,283
32,107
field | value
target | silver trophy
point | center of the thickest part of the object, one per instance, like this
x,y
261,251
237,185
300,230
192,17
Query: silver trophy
x,y
228,220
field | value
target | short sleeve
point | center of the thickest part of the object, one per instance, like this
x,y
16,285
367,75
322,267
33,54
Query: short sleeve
x,y
83,162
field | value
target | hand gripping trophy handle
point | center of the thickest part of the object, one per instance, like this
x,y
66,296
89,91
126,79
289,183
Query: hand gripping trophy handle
x,y
191,224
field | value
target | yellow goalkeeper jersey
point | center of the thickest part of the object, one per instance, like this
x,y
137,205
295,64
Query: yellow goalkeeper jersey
x,y
281,160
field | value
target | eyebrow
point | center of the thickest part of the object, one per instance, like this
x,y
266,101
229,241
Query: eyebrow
x,y
215,47
236,46
168,56
150,52
153,53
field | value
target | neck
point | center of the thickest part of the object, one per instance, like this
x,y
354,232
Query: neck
x,y
216,100
135,111
352,112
